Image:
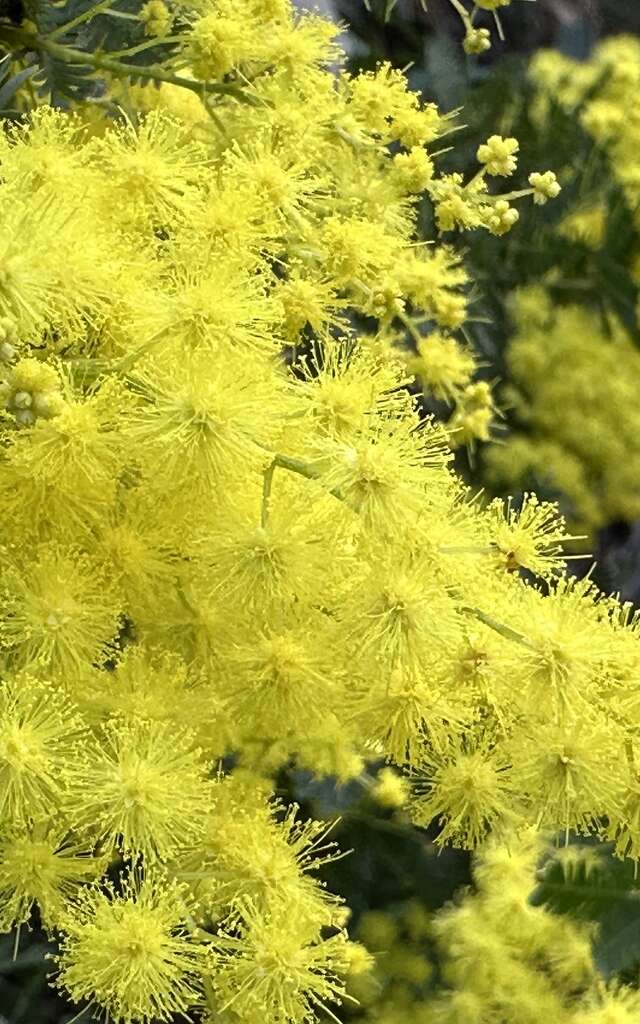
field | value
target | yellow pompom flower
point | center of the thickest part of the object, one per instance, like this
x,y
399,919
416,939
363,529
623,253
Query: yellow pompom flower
x,y
144,787
130,951
442,365
268,964
156,17
529,538
217,44
502,218
63,471
545,186
570,771
40,865
41,742
466,788
60,609
197,420
498,155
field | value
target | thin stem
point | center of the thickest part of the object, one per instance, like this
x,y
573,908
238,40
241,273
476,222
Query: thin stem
x,y
148,44
413,331
124,15
477,177
351,139
209,993
303,469
509,195
81,1013
498,627
266,492
100,8
462,11
217,120
499,27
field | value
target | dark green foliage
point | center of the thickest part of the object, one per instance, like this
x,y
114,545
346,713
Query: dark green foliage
x,y
25,995
9,85
607,893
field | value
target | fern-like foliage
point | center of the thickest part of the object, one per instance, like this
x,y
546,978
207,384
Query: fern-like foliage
x,y
111,30
587,881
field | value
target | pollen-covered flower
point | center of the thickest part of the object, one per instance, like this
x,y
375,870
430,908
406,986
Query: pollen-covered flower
x,y
153,168
545,186
343,386
130,951
382,474
391,789
144,786
502,217
414,170
268,963
64,471
217,44
466,788
530,537
59,609
199,419
156,17
280,680
254,850
41,741
442,365
569,771
40,865
307,300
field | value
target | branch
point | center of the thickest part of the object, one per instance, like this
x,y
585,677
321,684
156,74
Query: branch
x,y
102,62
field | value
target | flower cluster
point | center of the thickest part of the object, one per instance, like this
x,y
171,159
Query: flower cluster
x,y
228,530
499,952
602,90
559,358
508,959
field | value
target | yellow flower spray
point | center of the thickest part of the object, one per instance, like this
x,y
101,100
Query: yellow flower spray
x,y
209,550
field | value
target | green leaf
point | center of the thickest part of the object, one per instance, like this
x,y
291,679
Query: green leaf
x,y
12,84
586,881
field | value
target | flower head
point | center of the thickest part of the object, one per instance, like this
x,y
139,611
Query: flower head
x,y
499,155
130,951
545,186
